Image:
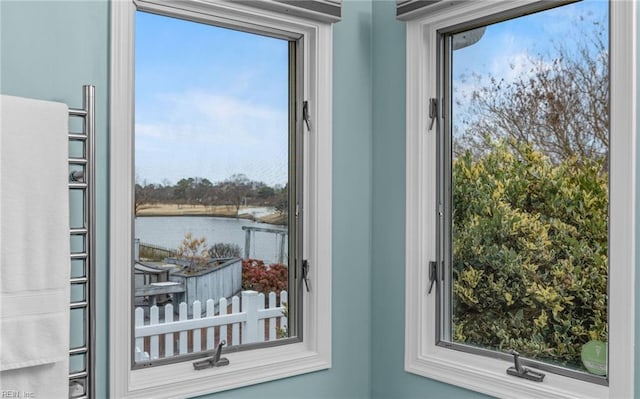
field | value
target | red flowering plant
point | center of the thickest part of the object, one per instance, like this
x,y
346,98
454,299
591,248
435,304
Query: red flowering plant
x,y
262,278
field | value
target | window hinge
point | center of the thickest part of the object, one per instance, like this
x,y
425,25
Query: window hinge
x,y
305,114
305,273
433,111
213,361
433,274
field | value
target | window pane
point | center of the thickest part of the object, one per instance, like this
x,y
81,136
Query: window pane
x,y
212,139
528,201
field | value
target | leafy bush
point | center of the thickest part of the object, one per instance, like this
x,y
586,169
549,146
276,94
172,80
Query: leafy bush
x,y
224,250
192,247
262,278
530,245
194,250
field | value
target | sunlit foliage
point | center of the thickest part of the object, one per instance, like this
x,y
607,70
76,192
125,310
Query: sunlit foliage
x,y
530,260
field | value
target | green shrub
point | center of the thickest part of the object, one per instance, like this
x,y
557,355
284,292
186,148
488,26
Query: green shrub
x,y
530,245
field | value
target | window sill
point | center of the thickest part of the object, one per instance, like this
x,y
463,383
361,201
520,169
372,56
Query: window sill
x,y
245,368
488,376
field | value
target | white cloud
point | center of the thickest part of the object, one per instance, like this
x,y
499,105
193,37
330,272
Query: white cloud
x,y
213,136
213,117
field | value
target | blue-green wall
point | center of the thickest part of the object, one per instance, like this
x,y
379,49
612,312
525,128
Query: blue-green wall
x,y
50,48
388,378
350,374
637,222
388,375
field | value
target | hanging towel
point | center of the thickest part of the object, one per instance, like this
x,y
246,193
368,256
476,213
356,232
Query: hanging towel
x,y
34,247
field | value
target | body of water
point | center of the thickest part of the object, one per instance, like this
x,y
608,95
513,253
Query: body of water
x,y
169,232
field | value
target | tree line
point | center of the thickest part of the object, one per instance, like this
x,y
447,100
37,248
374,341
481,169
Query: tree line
x,y
236,191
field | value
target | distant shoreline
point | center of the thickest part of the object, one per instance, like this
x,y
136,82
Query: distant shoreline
x,y
224,211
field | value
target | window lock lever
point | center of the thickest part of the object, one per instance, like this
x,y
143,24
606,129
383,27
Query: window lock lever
x,y
305,273
433,111
433,274
519,370
213,361
305,114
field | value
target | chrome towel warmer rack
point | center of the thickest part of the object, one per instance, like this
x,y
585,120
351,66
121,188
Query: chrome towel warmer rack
x,y
82,177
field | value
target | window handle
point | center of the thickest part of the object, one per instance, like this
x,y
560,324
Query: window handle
x,y
519,370
213,361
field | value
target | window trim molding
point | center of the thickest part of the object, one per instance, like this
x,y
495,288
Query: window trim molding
x,y
246,367
323,10
422,355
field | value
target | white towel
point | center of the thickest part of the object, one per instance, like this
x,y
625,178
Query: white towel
x,y
34,247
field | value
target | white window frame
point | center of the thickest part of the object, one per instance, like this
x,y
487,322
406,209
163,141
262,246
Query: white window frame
x,y
251,366
476,372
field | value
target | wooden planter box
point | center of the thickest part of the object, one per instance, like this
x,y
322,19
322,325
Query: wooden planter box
x,y
221,279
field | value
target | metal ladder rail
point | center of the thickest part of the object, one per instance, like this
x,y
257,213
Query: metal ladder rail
x,y
82,178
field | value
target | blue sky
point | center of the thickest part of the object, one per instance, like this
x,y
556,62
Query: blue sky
x,y
210,102
507,48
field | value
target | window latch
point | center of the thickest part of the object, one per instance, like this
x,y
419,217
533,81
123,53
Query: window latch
x,y
433,274
519,370
213,361
305,115
305,274
433,111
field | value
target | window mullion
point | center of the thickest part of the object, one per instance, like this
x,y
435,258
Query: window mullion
x,y
296,161
443,212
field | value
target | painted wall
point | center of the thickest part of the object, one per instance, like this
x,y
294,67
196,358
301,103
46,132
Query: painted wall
x,y
49,49
389,380
637,294
388,376
349,376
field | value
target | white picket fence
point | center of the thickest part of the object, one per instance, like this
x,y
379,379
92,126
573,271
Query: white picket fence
x,y
246,322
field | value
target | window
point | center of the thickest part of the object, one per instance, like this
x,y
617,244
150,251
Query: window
x,y
217,173
191,145
524,187
494,259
